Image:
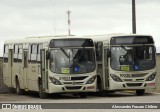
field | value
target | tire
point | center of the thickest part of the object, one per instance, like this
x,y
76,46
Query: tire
x,y
83,95
100,91
18,89
42,94
140,92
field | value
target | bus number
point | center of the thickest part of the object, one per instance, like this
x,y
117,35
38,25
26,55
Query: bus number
x,y
125,75
65,78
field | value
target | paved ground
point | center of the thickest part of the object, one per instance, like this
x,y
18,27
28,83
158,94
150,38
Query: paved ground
x,y
118,97
92,98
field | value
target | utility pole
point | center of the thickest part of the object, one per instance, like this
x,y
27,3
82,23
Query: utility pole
x,y
54,13
69,22
133,17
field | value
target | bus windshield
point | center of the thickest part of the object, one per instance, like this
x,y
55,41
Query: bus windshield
x,y
72,60
133,58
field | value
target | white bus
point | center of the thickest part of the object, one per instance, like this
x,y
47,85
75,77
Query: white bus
x,y
125,62
64,64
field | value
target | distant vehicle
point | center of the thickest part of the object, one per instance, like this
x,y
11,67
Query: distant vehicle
x,y
56,64
125,62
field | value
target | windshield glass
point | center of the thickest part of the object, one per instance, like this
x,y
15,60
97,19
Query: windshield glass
x,y
132,58
72,60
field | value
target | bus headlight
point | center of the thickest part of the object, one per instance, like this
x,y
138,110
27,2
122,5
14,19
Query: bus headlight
x,y
151,77
55,81
115,78
91,80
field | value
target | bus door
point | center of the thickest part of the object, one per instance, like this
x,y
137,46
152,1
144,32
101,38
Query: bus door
x,y
25,68
44,67
106,68
10,67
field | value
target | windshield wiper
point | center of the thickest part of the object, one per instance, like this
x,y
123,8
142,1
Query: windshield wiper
x,y
68,56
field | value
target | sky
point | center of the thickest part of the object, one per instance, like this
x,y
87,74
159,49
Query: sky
x,y
27,18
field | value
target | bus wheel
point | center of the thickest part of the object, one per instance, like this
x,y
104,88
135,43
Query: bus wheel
x,y
100,90
42,94
18,89
83,95
140,92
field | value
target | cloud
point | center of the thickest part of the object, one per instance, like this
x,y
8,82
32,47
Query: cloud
x,y
33,16
21,18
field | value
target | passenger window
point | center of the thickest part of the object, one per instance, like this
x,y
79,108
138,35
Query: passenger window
x,y
15,55
34,52
20,49
39,52
5,53
29,53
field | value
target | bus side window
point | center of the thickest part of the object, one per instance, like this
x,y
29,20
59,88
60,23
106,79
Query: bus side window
x,y
15,55
20,53
39,52
98,46
29,54
34,53
5,53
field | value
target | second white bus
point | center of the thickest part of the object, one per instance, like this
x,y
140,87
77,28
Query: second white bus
x,y
125,62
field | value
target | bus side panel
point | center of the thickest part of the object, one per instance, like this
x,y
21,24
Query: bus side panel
x,y
6,75
100,70
105,69
44,72
33,76
7,68
15,73
21,78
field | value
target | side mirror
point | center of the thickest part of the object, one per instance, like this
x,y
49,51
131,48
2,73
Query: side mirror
x,y
47,55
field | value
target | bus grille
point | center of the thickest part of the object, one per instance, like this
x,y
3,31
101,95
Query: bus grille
x,y
79,78
138,75
133,84
127,79
72,83
73,87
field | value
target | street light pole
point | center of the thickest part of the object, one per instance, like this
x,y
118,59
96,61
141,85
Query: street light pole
x,y
133,17
69,22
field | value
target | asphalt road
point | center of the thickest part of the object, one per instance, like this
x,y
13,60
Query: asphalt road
x,y
118,97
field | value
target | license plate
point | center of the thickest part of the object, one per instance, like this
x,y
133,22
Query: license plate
x,y
65,78
125,75
151,84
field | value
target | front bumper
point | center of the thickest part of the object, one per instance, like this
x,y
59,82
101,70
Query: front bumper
x,y
71,88
132,85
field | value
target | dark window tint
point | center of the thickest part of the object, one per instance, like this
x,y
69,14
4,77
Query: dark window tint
x,y
121,40
71,43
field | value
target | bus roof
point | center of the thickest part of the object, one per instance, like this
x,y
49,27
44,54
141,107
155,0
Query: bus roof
x,y
107,37
40,39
